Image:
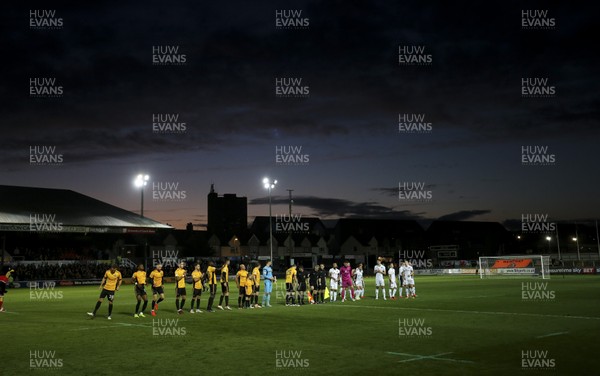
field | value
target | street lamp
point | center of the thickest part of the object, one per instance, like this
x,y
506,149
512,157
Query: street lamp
x,y
236,245
548,239
269,186
140,182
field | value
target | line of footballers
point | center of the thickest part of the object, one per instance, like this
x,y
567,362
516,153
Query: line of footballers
x,y
312,284
247,282
406,276
347,282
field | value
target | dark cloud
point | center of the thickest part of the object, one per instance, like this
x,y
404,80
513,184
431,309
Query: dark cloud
x,y
348,57
335,207
463,215
393,192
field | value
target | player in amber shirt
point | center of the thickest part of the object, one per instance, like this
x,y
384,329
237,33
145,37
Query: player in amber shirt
x,y
290,281
158,292
139,281
197,277
212,284
240,281
256,288
180,292
110,283
249,287
224,286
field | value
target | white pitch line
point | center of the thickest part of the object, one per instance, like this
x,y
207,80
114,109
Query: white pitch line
x,y
434,357
552,334
481,312
110,326
91,327
420,357
127,324
14,313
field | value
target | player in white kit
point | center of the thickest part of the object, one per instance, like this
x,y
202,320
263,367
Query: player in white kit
x,y
401,279
379,281
359,281
334,275
408,280
392,277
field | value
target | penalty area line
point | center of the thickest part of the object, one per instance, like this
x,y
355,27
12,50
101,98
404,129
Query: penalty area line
x,y
480,312
552,334
415,357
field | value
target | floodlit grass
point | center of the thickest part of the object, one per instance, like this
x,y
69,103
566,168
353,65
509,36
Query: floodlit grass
x,y
460,326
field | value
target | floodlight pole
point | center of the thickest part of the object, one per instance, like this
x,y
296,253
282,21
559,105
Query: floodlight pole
x,y
558,244
270,226
140,182
597,239
290,232
142,205
577,241
269,185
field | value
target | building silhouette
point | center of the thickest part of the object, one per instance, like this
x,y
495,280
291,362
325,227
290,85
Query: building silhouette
x,y
227,214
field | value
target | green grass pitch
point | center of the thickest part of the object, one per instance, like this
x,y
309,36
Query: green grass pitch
x,y
456,326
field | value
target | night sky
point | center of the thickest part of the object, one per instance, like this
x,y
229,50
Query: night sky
x,y
230,56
